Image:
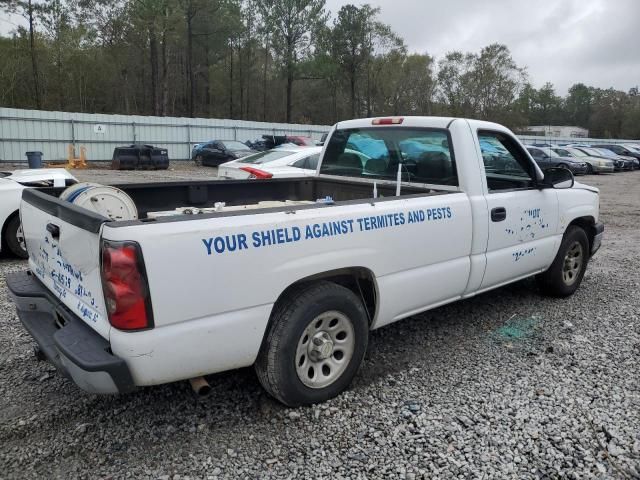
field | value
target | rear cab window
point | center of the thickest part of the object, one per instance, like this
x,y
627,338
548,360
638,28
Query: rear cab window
x,y
423,155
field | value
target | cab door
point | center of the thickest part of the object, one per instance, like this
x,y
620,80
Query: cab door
x,y
523,219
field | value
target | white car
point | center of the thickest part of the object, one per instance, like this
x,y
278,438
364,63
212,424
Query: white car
x,y
281,162
11,186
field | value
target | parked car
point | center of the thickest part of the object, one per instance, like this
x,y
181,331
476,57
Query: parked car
x,y
281,162
546,157
594,164
628,162
220,151
619,163
11,186
267,142
625,152
634,147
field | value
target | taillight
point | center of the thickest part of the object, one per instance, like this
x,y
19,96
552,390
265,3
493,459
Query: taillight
x,y
255,173
387,121
124,282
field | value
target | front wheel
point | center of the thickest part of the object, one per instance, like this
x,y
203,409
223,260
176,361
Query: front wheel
x,y
589,169
315,344
565,274
198,160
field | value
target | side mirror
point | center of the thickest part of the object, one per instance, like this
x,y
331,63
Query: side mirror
x,y
558,177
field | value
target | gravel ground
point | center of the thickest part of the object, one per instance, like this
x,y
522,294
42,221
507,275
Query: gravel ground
x,y
505,385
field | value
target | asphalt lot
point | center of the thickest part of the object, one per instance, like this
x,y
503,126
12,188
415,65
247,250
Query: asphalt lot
x,y
509,384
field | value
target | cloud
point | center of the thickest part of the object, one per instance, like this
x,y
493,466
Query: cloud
x,y
561,41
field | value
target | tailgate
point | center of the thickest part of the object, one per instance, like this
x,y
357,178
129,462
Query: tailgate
x,y
63,242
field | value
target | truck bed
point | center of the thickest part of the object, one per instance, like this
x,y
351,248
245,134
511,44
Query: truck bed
x,y
163,197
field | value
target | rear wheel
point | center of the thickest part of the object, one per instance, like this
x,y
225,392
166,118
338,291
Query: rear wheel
x,y
565,274
14,236
315,344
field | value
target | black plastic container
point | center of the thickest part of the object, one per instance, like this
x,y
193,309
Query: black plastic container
x,y
140,157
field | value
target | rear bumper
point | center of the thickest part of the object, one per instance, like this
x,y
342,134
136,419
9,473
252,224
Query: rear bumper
x,y
77,351
597,238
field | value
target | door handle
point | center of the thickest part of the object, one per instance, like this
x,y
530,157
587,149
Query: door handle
x,y
54,230
498,214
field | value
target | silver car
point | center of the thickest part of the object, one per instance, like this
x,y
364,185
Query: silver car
x,y
595,164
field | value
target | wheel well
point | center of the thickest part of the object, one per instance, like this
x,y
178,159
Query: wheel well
x,y
3,236
360,280
588,225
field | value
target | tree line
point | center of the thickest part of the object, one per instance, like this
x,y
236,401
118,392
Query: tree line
x,y
271,60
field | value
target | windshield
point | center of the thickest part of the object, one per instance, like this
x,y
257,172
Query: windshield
x,y
233,145
422,155
577,153
265,157
605,152
591,151
550,152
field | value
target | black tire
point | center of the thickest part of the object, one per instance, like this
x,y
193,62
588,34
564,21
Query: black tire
x,y
11,234
589,169
559,281
198,160
276,363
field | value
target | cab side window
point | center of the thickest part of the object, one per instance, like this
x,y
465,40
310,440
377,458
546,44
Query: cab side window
x,y
506,164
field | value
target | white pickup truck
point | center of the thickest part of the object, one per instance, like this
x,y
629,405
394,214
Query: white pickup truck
x,y
290,275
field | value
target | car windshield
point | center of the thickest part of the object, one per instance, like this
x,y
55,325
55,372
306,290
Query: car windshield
x,y
550,152
265,157
605,152
591,151
577,153
233,145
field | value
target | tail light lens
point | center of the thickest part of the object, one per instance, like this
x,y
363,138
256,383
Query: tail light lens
x,y
256,173
124,282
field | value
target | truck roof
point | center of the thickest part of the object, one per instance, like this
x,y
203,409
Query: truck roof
x,y
419,121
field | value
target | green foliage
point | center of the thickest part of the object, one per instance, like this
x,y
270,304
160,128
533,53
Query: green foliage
x,y
271,60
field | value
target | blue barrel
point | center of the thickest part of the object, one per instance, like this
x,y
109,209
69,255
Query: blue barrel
x,y
34,159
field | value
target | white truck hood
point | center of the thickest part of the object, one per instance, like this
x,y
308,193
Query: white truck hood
x,y
58,176
583,186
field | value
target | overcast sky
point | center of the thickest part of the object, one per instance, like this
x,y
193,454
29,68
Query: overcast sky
x,y
596,42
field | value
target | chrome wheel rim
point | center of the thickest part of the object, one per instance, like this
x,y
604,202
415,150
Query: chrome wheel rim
x,y
325,349
20,238
572,264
